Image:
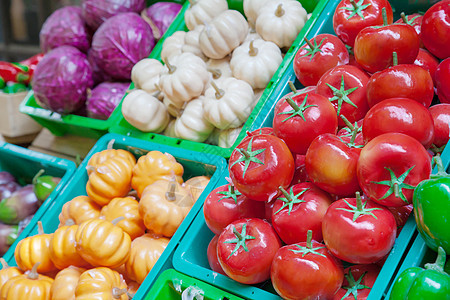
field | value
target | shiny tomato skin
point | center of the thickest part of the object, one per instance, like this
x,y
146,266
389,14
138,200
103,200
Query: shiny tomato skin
x,y
401,215
356,271
436,29
319,118
363,241
300,174
427,61
353,77
311,276
405,81
331,165
441,119
211,253
274,167
292,225
399,115
252,266
309,68
414,20
374,46
221,209
397,152
442,76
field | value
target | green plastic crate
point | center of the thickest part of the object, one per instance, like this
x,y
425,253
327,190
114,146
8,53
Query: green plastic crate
x,y
24,164
123,127
194,164
60,125
171,284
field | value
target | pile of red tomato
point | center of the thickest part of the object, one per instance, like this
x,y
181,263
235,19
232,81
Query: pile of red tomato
x,y
333,179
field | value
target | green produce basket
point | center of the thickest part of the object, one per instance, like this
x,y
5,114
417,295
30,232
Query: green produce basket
x,y
72,124
194,164
171,284
23,164
123,127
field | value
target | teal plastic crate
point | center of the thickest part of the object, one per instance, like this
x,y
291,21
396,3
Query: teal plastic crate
x,y
194,164
24,164
171,284
72,124
123,127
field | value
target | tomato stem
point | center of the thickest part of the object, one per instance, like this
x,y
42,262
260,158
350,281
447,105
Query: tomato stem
x,y
439,264
309,43
396,190
405,20
285,193
353,138
384,14
252,50
292,87
394,58
347,122
246,154
280,11
219,92
359,206
237,233
292,103
354,4
309,239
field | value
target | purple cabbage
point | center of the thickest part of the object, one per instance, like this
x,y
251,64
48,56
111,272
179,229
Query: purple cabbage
x,y
61,79
95,12
120,42
98,75
6,177
104,98
160,15
65,26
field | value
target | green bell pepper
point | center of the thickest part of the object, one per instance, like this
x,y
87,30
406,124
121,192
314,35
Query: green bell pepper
x,y
430,283
431,201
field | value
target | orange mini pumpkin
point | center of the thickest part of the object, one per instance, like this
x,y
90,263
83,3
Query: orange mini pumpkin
x,y
101,283
63,288
144,253
101,243
30,285
100,157
35,249
196,185
7,272
154,166
164,205
79,209
128,208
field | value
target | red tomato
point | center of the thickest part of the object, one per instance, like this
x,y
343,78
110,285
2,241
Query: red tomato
x,y
331,165
352,16
442,76
358,232
401,215
246,249
320,54
346,133
427,61
306,116
374,46
259,165
441,119
268,210
226,204
263,130
414,20
405,81
301,209
399,115
436,29
306,271
358,282
211,253
390,166
300,174
345,87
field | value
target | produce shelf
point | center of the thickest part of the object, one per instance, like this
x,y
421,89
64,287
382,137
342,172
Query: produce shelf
x,y
123,127
23,164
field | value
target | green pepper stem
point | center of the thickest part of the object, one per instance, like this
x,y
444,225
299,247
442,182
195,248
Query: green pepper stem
x,y
358,202
309,239
309,43
440,166
292,104
38,174
384,14
440,261
292,87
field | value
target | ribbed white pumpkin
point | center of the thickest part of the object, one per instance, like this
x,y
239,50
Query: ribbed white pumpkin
x,y
223,34
251,10
170,129
191,42
203,11
145,74
192,125
280,21
255,62
219,68
230,104
227,137
144,111
185,77
173,45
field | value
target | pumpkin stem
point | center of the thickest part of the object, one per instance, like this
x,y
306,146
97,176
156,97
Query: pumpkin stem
x,y
90,168
170,194
219,92
33,274
292,87
40,228
252,51
280,11
117,293
117,220
110,144
4,263
171,68
216,73
69,222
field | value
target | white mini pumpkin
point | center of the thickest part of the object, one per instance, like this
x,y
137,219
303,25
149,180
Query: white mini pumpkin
x,y
170,129
192,125
251,10
255,62
227,137
145,74
191,42
230,104
223,34
203,11
173,45
185,78
219,68
144,111
280,21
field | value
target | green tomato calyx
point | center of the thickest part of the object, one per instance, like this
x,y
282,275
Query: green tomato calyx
x,y
240,240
